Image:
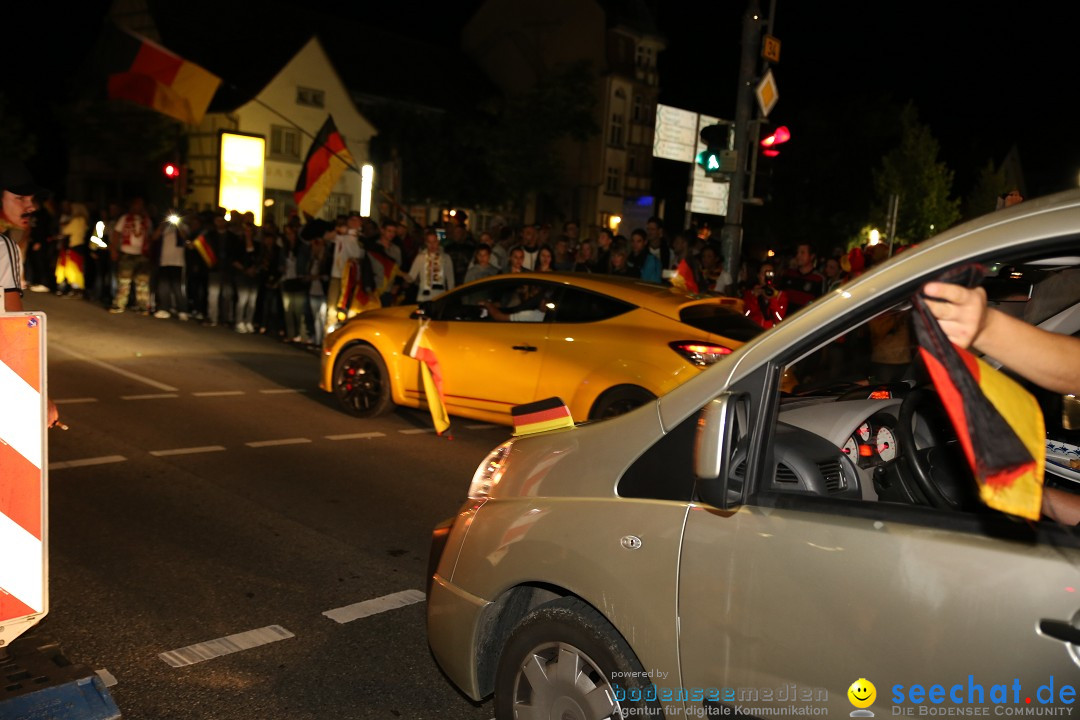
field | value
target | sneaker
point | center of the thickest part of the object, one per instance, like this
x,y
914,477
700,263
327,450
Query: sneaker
x,y
241,328
39,288
163,315
183,317
116,310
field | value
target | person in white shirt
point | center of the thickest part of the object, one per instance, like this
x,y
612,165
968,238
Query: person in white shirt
x,y
130,255
345,246
432,270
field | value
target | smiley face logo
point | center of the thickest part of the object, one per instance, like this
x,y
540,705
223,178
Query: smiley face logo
x,y
862,693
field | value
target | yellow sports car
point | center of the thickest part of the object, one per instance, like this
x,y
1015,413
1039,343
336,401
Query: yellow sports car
x,y
603,344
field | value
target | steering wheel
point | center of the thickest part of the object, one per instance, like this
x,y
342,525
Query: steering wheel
x,y
921,464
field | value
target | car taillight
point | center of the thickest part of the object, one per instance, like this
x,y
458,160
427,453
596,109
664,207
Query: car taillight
x,y
699,353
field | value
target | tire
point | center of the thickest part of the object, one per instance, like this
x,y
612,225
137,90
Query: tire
x,y
618,400
603,671
361,382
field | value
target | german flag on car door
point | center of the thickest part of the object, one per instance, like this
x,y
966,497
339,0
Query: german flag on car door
x,y
540,416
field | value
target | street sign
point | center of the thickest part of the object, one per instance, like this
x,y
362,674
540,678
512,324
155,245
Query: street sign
x,y
770,49
676,136
767,93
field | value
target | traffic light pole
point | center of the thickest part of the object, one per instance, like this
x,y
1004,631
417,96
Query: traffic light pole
x,y
732,233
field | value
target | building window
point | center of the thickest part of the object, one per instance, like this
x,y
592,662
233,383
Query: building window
x,y
617,129
310,97
337,204
614,181
644,56
631,164
640,113
284,142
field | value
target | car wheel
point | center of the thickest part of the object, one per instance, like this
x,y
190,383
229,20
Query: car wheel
x,y
361,383
564,660
619,400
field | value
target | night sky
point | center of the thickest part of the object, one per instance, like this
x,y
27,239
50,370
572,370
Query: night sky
x,y
981,79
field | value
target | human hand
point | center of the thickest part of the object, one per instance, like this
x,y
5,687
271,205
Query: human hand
x,y
54,415
960,311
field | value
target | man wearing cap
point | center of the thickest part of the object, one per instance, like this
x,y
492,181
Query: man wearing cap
x,y
18,207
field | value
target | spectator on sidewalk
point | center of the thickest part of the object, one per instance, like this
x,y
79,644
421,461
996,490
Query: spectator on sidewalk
x,y
130,253
171,238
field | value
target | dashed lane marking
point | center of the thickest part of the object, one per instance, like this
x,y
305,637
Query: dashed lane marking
x,y
282,391
158,396
120,371
374,607
227,645
356,436
74,401
188,451
417,431
107,459
218,393
274,443
482,427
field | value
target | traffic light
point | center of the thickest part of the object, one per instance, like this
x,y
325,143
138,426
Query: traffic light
x,y
716,159
171,170
186,182
772,139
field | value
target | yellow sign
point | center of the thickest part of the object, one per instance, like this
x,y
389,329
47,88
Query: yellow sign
x,y
767,93
240,188
770,49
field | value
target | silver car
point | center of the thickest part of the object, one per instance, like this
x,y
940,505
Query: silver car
x,y
793,532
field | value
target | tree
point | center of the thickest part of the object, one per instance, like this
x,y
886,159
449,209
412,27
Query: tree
x,y
984,195
913,172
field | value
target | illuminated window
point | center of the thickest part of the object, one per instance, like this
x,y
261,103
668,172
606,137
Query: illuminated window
x,y
310,97
284,142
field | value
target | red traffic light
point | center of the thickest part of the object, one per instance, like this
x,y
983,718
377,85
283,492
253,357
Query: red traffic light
x,y
776,137
171,171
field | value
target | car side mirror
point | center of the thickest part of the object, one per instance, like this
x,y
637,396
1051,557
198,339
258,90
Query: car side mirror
x,y
422,310
714,449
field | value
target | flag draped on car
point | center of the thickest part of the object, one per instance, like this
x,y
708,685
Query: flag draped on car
x,y
684,278
143,72
431,374
999,423
327,159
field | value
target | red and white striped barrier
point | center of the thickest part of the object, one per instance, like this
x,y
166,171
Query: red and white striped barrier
x,y
23,462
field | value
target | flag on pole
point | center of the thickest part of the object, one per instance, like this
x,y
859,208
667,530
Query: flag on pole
x,y
386,273
431,374
327,159
149,75
999,424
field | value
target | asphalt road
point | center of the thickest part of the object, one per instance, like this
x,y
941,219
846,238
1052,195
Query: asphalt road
x,y
206,488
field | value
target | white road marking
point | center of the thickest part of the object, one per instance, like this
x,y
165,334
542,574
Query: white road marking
x,y
106,677
74,401
218,393
282,391
113,368
86,462
417,431
356,436
375,606
187,451
159,396
224,646
273,443
482,427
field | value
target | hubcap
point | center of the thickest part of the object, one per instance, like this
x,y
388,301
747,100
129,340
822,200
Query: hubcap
x,y
360,384
557,680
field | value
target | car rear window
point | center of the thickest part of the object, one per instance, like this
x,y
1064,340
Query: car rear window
x,y
720,320
578,306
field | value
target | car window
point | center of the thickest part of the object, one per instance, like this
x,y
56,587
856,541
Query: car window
x,y
524,300
840,433
720,320
577,306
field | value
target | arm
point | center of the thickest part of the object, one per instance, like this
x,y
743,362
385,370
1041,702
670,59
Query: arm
x,y
1046,358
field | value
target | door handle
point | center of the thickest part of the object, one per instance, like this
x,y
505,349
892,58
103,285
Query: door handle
x,y
1060,630
526,348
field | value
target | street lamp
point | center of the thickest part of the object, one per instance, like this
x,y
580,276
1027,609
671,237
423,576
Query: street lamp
x,y
875,236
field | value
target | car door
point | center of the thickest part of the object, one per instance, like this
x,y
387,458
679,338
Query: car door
x,y
487,365
793,597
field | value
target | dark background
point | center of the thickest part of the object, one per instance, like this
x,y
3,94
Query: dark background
x,y
982,79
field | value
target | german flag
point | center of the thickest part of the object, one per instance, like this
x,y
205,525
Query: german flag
x,y
327,159
431,375
684,278
386,272
205,250
69,269
540,416
149,75
999,424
